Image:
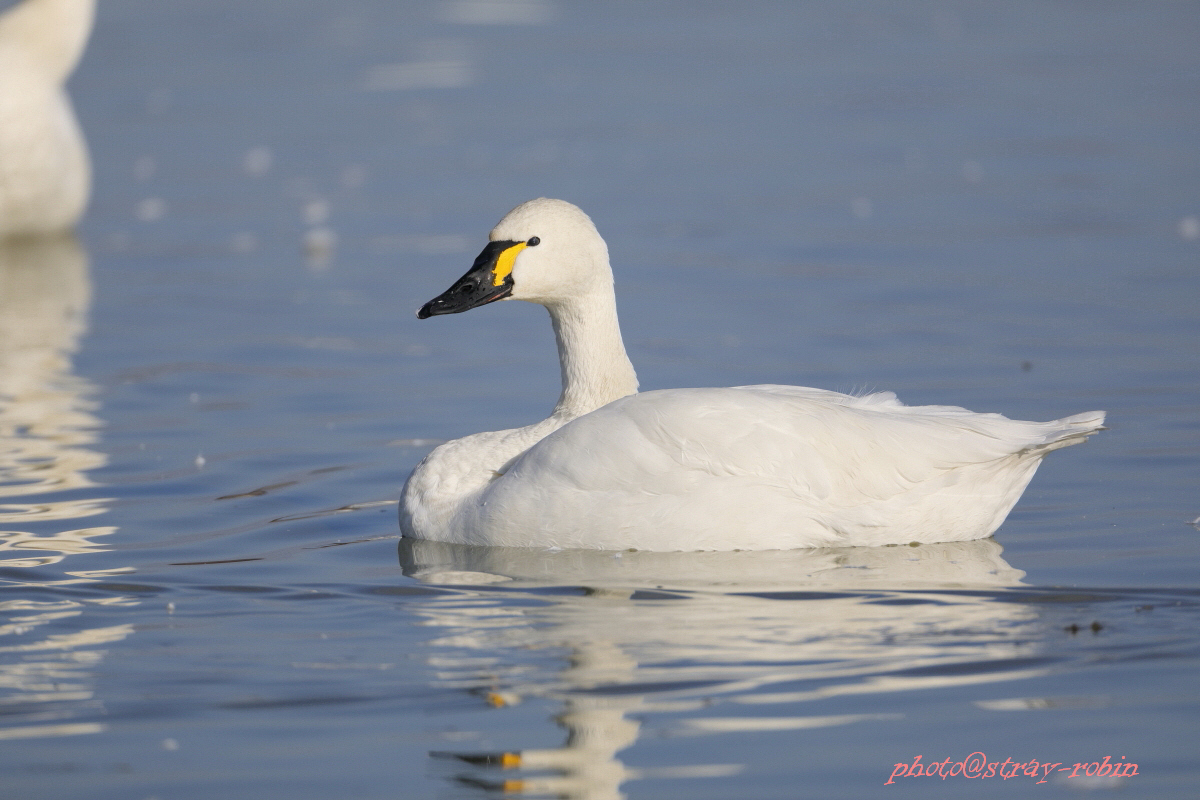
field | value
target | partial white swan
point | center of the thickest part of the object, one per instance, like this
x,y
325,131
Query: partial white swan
x,y
747,468
45,175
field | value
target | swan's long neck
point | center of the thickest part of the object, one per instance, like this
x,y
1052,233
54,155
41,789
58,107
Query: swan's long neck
x,y
49,35
595,367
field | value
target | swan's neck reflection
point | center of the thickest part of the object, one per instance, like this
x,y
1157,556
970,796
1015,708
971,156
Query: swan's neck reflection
x,y
47,422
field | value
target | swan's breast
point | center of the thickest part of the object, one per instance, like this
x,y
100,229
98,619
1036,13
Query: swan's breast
x,y
45,173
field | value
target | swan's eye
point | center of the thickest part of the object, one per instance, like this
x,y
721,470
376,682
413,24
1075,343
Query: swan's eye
x,y
533,242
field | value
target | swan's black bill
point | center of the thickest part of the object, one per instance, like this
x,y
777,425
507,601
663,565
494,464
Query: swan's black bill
x,y
476,288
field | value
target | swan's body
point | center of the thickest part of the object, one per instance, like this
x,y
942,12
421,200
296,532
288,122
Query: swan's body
x,y
750,468
45,175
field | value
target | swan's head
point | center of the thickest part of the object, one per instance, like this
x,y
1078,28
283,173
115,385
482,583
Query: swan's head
x,y
544,251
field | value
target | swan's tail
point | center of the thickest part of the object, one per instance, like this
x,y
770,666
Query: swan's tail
x,y
1068,431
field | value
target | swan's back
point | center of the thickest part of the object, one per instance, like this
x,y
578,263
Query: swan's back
x,y
766,467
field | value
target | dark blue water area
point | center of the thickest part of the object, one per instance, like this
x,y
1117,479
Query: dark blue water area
x,y
211,400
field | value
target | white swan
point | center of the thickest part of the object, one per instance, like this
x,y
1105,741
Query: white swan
x,y
45,175
749,468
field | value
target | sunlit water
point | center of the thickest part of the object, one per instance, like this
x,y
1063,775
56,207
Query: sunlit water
x,y
208,403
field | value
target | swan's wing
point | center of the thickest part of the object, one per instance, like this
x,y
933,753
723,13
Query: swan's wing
x,y
832,446
940,435
761,452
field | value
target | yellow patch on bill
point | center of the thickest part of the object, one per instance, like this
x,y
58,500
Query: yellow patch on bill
x,y
504,264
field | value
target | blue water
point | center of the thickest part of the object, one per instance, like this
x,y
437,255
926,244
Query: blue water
x,y
214,395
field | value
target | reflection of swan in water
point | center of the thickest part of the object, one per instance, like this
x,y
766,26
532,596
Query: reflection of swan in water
x,y
46,678
46,427
44,171
705,639
942,565
46,419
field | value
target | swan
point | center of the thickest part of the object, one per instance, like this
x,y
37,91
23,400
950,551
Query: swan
x,y
45,175
744,468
